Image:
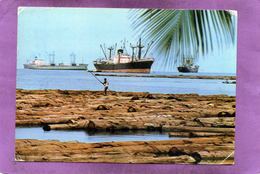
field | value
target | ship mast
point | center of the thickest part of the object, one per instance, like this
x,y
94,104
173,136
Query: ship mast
x,y
139,49
148,47
72,57
115,49
124,46
103,51
51,58
133,52
110,48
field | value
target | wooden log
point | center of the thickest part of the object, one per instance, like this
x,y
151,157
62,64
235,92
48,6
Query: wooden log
x,y
212,134
95,124
179,134
56,120
198,134
228,122
197,129
183,159
55,127
28,122
213,120
80,124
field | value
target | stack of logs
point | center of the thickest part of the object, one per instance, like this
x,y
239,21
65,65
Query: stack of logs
x,y
208,121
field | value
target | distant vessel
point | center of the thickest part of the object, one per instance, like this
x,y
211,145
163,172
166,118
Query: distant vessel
x,y
123,62
40,64
187,66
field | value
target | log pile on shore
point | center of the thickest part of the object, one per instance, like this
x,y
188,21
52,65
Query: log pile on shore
x,y
208,122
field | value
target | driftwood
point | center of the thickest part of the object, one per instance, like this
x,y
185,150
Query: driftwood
x,y
197,129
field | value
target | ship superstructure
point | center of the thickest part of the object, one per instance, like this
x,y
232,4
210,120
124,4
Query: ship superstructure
x,y
188,66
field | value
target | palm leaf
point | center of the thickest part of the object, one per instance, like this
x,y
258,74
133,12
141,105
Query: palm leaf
x,y
178,33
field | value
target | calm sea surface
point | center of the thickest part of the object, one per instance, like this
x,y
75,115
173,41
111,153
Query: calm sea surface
x,y
89,137
83,80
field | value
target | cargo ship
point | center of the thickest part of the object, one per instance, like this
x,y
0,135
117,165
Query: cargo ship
x,y
187,66
123,62
40,64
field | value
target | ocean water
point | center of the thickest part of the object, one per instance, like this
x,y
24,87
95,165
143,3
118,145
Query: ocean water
x,y
90,137
83,80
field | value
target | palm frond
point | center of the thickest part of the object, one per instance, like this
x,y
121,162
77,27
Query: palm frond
x,y
178,33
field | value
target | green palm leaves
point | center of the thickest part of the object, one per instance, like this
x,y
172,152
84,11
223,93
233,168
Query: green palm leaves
x,y
178,33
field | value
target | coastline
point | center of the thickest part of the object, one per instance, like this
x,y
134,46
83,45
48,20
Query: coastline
x,y
171,76
208,120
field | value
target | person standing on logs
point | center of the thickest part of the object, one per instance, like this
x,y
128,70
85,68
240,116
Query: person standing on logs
x,y
105,83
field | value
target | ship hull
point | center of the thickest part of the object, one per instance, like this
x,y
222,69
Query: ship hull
x,y
81,67
187,69
131,67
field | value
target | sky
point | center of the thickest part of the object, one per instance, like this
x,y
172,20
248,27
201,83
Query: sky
x,y
63,31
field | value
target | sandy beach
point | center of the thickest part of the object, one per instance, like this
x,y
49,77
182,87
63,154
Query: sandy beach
x,y
206,121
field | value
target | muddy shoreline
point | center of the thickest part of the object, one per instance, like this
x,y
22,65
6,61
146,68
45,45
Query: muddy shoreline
x,y
208,121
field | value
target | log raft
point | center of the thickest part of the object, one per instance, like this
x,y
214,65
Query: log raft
x,y
185,151
206,122
146,111
171,76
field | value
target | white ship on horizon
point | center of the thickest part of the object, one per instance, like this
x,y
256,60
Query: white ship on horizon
x,y
40,64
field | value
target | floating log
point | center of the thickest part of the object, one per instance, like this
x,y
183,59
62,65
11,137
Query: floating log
x,y
198,134
179,134
197,129
56,120
228,122
80,124
56,127
96,124
28,122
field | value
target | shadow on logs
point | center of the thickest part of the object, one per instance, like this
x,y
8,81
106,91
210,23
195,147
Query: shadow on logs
x,y
102,107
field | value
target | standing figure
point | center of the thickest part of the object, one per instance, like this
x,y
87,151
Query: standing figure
x,y
105,83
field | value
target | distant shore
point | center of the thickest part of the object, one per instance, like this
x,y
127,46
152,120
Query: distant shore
x,y
172,76
207,120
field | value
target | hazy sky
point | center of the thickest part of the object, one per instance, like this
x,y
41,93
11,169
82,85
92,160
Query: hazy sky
x,y
42,31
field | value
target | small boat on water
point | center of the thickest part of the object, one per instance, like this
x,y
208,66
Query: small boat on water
x,y
123,62
228,82
40,64
187,66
